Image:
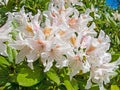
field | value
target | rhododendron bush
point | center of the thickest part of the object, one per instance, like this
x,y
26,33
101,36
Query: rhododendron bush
x,y
59,45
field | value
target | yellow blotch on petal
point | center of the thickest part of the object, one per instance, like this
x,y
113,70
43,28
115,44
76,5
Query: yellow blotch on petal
x,y
91,48
99,40
39,41
72,21
61,10
57,46
29,28
47,31
73,40
77,58
61,32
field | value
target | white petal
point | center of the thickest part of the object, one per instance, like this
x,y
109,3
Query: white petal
x,y
30,64
48,66
21,55
89,84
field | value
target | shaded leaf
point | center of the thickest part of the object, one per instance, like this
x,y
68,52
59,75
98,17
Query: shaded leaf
x,y
3,76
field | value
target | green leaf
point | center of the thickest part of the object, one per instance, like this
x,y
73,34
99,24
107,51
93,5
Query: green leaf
x,y
94,87
27,77
9,51
3,61
61,87
68,85
3,76
53,76
44,85
114,87
11,54
74,84
11,86
115,56
117,39
14,53
1,88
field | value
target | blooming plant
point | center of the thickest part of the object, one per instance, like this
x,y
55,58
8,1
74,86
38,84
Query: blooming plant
x,y
59,44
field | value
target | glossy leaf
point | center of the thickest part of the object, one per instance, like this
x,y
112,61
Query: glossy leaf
x,y
27,77
3,61
68,85
115,87
53,76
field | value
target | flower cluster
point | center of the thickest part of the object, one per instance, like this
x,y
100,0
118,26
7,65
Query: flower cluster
x,y
66,37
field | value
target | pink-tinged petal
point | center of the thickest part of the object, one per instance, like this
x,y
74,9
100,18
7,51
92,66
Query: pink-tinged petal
x,y
21,55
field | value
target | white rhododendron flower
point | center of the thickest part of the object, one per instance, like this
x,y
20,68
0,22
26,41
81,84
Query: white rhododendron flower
x,y
3,2
4,36
77,63
101,74
116,15
66,37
